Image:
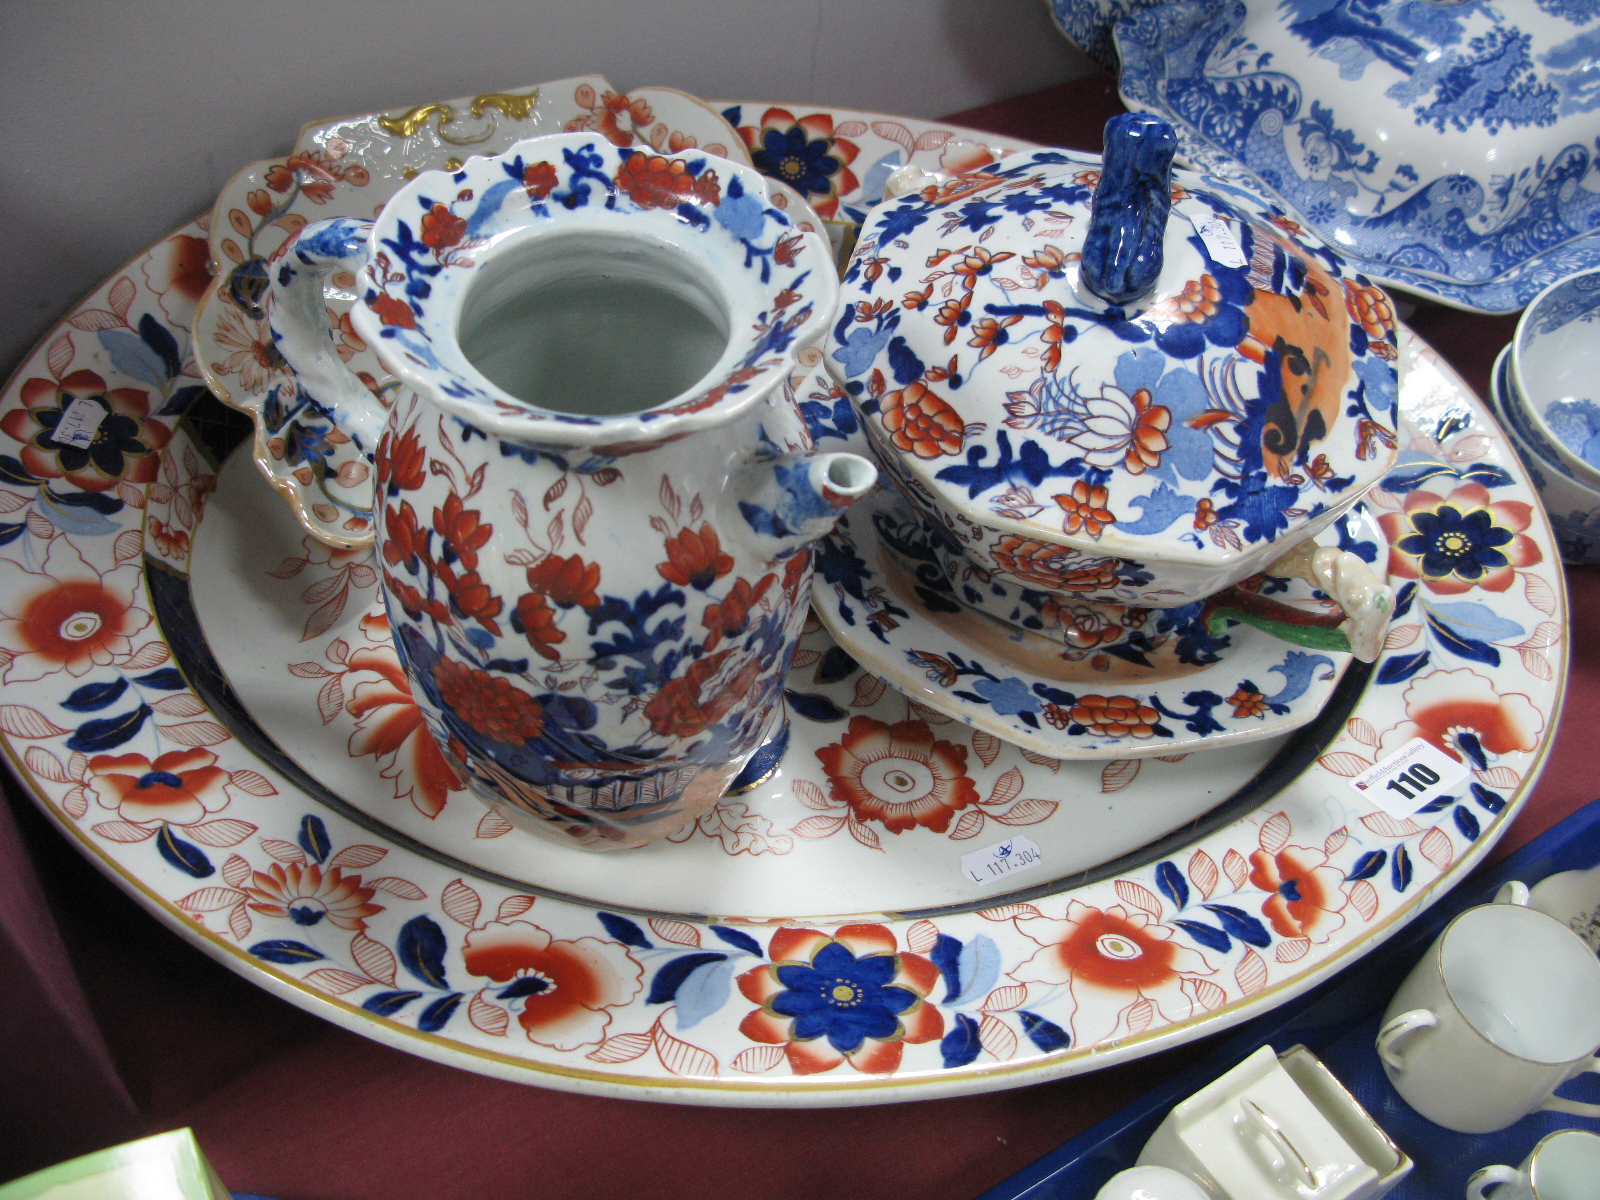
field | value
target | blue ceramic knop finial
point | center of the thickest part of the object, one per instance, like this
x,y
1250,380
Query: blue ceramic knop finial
x,y
1122,253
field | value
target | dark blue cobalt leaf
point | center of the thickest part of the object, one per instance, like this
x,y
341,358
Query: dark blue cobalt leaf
x,y
1400,869
386,1004
166,678
1467,823
1403,600
664,987
1172,884
1487,474
1368,865
10,533
1046,1035
191,860
282,950
835,665
422,947
946,955
737,937
1240,924
1210,938
1463,647
94,501
437,1015
92,697
1435,805
1487,800
1467,742
314,838
814,707
155,335
106,732
961,1045
1401,667
624,930
178,403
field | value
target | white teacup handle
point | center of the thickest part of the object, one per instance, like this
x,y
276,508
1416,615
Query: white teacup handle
x,y
1402,1026
1513,892
299,321
1576,1107
1485,1179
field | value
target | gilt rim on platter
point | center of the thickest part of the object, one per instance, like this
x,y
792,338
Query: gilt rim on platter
x,y
981,1000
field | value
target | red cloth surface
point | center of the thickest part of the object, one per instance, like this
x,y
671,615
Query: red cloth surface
x,y
111,1027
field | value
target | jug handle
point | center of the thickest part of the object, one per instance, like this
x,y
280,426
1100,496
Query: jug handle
x,y
300,327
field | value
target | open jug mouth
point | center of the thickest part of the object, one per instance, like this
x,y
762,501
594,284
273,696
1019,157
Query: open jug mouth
x,y
595,324
571,290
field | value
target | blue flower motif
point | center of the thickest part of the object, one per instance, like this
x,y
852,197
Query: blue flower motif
x,y
1450,542
843,998
805,164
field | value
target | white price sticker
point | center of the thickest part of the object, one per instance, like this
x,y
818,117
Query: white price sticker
x,y
79,424
1220,240
1002,859
1408,780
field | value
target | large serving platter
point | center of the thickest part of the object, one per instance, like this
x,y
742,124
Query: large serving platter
x,y
207,705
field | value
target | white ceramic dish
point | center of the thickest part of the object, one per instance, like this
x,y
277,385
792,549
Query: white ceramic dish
x,y
381,923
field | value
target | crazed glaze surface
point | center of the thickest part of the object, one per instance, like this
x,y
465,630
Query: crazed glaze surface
x,y
1446,148
599,696
1147,455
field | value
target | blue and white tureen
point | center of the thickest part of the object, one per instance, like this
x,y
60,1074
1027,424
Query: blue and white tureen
x,y
1447,146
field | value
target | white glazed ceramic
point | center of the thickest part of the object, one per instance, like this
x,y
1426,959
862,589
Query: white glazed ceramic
x,y
1573,508
603,333
1150,1183
1565,1165
1554,369
1264,1131
1445,148
1503,1008
1573,898
376,886
1050,430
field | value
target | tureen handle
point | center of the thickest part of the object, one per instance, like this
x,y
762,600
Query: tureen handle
x,y
1128,222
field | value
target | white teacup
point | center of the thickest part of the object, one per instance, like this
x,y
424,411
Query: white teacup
x,y
1565,1165
1503,1008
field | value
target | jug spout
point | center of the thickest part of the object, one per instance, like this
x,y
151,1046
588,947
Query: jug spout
x,y
796,498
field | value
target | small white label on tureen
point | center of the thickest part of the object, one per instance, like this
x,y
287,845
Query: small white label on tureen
x,y
79,423
1001,859
1411,778
1217,234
